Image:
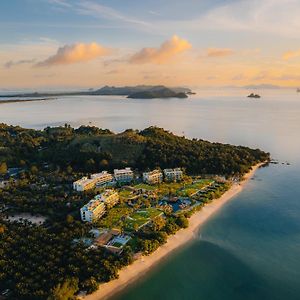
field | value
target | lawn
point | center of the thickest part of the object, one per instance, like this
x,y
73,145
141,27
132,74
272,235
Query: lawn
x,y
125,193
140,218
146,187
113,218
190,189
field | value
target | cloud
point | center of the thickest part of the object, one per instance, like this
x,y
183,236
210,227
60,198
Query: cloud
x,y
219,52
276,17
70,54
12,63
101,11
63,3
168,50
291,54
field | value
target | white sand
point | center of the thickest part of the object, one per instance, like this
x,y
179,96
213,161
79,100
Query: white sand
x,y
139,267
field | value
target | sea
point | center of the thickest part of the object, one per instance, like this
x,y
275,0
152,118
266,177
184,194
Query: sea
x,y
249,249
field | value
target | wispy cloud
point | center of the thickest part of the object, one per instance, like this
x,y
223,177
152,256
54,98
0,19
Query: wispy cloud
x,y
12,63
101,11
70,54
276,17
162,54
63,3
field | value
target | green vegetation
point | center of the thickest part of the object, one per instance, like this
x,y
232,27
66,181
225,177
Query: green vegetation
x,y
88,149
146,187
140,218
47,261
115,217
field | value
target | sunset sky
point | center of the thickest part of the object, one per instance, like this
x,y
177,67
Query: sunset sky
x,y
90,43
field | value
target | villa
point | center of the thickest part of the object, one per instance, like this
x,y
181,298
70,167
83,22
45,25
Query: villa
x,y
153,177
173,174
123,175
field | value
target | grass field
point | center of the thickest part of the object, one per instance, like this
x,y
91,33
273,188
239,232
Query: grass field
x,y
114,219
190,189
139,218
146,187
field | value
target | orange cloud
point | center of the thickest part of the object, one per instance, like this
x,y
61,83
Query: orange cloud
x,y
219,52
70,54
291,54
163,54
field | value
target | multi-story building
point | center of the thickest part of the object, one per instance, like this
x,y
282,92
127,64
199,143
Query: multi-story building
x,y
153,177
123,175
84,184
173,174
92,211
109,198
102,178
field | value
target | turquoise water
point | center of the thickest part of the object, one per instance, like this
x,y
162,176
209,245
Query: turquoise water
x,y
250,249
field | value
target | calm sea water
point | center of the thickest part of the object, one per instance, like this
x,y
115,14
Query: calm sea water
x,y
250,249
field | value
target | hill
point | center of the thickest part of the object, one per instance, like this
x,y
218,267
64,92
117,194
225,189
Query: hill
x,y
90,149
157,93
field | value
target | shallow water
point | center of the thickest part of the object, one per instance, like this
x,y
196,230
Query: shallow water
x,y
250,249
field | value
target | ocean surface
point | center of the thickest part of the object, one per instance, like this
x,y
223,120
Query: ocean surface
x,y
250,249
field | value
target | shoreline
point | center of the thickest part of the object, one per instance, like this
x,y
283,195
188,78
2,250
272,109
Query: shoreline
x,y
137,269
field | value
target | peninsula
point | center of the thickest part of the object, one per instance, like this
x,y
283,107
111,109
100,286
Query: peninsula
x,y
25,100
145,91
85,203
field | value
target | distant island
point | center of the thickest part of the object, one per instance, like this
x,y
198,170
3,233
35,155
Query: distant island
x,y
162,92
252,95
139,91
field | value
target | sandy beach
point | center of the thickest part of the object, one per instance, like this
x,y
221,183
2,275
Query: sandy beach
x,y
139,267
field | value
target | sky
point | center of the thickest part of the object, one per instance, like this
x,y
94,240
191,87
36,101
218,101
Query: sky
x,y
91,43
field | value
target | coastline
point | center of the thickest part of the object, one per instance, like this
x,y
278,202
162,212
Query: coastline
x,y
138,268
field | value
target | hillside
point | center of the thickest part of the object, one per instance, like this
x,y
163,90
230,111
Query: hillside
x,y
89,149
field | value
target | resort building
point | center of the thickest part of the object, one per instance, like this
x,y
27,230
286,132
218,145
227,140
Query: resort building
x,y
110,198
173,174
102,178
153,177
84,184
123,175
92,211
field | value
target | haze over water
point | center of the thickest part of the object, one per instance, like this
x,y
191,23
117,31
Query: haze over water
x,y
249,249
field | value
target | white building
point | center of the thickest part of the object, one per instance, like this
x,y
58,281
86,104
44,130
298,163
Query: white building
x,y
102,178
92,211
84,184
173,174
123,175
153,177
109,198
